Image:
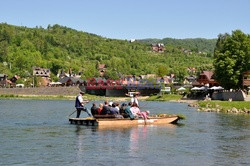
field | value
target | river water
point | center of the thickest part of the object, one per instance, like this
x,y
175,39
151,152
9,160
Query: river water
x,y
37,132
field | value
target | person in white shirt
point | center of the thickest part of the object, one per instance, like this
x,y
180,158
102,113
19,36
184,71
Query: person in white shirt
x,y
79,104
134,99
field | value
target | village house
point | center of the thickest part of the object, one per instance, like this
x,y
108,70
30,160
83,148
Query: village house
x,y
189,80
44,74
62,74
246,79
102,68
159,47
37,71
71,81
206,78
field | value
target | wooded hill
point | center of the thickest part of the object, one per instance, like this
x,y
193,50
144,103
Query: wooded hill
x,y
58,47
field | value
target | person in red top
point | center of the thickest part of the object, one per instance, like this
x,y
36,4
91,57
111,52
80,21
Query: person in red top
x,y
99,109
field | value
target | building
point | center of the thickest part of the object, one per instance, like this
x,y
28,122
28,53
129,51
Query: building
x,y
70,81
37,71
43,74
159,47
207,78
246,79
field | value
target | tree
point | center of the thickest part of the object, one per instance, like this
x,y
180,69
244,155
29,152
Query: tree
x,y
162,71
231,58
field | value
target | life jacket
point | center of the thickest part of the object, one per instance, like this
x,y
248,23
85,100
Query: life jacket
x,y
77,103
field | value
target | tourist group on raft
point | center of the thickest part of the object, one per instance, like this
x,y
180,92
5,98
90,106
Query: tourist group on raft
x,y
130,110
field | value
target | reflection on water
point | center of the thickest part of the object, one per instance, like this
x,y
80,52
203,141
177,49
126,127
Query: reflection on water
x,y
38,133
123,143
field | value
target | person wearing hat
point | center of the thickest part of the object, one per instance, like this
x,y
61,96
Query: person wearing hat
x,y
79,104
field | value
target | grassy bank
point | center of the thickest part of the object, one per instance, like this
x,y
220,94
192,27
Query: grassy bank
x,y
224,106
36,97
165,97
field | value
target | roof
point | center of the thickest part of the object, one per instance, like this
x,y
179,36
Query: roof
x,y
208,74
73,79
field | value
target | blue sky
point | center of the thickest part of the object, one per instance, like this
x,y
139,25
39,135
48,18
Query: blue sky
x,y
133,19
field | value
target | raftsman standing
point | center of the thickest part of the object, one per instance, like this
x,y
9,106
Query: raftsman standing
x,y
134,99
79,104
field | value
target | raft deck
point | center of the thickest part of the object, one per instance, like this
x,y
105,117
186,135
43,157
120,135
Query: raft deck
x,y
115,121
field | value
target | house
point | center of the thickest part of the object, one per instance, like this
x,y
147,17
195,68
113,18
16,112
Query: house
x,y
44,74
207,78
3,80
167,80
189,80
159,47
246,78
37,71
70,81
62,74
102,68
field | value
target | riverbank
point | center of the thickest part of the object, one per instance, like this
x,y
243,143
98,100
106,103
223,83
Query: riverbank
x,y
207,106
222,106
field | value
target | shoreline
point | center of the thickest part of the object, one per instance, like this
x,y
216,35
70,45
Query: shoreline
x,y
235,107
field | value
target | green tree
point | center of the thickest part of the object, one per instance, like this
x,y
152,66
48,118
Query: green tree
x,y
231,58
162,71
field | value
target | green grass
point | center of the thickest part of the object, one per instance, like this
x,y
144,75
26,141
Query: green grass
x,y
165,97
225,105
60,97
38,97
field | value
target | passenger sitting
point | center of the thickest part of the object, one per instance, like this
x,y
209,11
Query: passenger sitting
x,y
99,109
117,105
135,110
93,109
113,110
122,110
106,109
128,112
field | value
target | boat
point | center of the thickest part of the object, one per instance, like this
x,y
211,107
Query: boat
x,y
101,120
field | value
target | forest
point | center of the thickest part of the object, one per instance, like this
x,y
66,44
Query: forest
x,y
60,48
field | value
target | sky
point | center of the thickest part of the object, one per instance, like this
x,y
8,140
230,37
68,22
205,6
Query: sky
x,y
133,19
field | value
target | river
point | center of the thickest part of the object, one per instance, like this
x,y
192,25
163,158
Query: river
x,y
37,132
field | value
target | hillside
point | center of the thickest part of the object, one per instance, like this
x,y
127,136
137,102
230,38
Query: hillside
x,y
58,47
196,44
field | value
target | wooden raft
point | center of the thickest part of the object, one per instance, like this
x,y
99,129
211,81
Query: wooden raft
x,y
83,121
